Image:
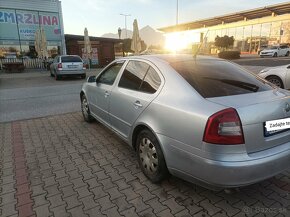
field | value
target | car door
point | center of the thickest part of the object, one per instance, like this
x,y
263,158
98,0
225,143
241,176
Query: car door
x,y
139,84
99,92
282,50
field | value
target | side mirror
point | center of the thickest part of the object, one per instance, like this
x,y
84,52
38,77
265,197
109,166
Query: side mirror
x,y
288,67
92,79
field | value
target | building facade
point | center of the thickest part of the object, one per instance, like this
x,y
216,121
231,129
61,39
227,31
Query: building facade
x,y
104,50
251,29
19,21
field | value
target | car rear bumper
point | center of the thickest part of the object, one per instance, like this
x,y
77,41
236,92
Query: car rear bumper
x,y
231,172
70,72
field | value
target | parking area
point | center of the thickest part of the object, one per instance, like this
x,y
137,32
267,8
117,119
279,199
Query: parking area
x,y
62,166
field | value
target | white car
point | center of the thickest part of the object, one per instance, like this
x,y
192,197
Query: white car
x,y
275,51
280,75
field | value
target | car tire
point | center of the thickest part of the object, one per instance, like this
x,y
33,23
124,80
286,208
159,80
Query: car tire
x,y
150,157
275,80
56,76
287,54
275,55
86,110
83,76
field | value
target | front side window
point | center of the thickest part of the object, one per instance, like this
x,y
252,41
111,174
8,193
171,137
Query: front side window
x,y
133,75
109,75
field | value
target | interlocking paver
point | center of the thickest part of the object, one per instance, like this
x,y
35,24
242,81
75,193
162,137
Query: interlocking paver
x,y
83,169
72,201
98,192
83,191
42,211
95,212
105,203
40,200
211,209
165,213
8,209
68,191
130,212
7,198
60,211
56,200
77,212
156,205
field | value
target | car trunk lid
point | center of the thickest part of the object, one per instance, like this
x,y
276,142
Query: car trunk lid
x,y
72,66
255,110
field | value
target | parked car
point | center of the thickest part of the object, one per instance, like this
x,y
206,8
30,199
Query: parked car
x,y
275,51
67,65
262,47
193,117
280,75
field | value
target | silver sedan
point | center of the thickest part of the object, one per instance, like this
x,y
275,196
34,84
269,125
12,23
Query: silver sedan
x,y
202,119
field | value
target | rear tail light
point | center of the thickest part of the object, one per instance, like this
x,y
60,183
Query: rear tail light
x,y
224,127
59,66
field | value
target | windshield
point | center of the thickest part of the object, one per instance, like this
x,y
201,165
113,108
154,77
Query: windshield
x,y
216,78
69,59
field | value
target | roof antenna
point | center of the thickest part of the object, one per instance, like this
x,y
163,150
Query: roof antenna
x,y
198,49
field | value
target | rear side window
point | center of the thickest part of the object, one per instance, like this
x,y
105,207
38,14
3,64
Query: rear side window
x,y
70,59
140,76
133,75
151,81
216,78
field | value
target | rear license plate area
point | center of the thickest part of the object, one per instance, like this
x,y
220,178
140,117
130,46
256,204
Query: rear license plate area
x,y
268,133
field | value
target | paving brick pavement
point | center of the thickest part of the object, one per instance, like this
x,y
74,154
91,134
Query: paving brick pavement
x,y
63,166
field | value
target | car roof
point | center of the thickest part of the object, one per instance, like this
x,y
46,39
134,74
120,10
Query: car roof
x,y
171,58
69,55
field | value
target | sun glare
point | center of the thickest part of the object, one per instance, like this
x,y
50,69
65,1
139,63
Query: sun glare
x,y
181,41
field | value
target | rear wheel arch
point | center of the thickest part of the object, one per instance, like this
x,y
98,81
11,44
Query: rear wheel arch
x,y
144,139
135,133
138,129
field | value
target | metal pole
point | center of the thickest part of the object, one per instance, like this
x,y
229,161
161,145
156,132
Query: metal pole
x,y
125,16
176,12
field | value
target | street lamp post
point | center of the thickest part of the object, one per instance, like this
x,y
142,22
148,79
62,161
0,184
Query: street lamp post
x,y
125,16
176,12
119,32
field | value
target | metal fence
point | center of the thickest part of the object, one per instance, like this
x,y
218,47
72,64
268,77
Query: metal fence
x,y
28,63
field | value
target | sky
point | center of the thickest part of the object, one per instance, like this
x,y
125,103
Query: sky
x,y
103,16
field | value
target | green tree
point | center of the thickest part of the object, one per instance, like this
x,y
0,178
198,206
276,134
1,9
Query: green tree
x,y
224,42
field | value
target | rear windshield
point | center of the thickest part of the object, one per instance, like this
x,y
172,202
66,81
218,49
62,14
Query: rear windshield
x,y
216,78
70,59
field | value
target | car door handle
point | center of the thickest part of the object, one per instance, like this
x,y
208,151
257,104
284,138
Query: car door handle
x,y
137,104
107,94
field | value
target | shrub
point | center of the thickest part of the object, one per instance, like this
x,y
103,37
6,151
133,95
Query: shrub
x,y
229,55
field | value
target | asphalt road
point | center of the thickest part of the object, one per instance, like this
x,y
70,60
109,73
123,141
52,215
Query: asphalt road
x,y
35,94
266,61
38,95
